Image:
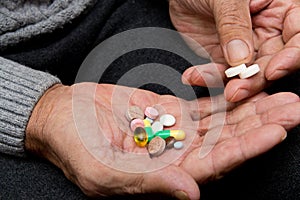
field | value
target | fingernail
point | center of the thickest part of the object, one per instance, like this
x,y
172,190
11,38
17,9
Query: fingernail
x,y
277,74
284,137
184,80
181,195
186,76
237,51
239,95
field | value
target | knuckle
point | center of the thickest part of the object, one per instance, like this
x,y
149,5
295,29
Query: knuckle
x,y
232,16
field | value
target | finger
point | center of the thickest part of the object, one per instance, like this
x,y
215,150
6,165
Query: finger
x,y
275,100
257,5
234,26
232,152
291,23
240,89
246,110
171,181
207,75
254,98
279,67
206,106
287,116
270,46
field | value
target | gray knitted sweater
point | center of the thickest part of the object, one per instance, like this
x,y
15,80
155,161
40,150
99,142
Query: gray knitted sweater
x,y
20,86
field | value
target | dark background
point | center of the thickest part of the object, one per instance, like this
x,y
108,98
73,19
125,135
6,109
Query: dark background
x,y
274,175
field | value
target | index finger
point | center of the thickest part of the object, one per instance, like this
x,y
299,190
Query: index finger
x,y
232,152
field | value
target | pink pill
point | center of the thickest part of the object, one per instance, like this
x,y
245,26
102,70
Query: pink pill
x,y
151,112
136,123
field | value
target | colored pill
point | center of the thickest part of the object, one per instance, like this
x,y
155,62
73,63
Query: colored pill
x,y
167,120
148,129
140,137
136,123
134,112
151,113
156,146
170,142
177,134
149,120
178,145
157,126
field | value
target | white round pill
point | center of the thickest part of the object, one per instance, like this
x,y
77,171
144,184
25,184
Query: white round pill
x,y
233,71
178,145
250,71
167,120
157,126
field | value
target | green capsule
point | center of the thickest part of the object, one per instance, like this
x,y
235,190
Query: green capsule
x,y
148,129
176,134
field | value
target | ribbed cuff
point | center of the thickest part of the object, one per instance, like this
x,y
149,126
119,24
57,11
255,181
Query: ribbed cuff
x,y
20,90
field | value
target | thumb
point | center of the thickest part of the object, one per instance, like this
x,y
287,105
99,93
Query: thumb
x,y
172,181
234,27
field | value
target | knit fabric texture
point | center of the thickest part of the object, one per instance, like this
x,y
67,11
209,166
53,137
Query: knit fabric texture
x,y
21,87
20,20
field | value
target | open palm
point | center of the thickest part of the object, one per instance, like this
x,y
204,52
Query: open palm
x,y
86,134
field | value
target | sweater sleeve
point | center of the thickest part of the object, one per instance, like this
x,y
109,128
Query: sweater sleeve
x,y
20,89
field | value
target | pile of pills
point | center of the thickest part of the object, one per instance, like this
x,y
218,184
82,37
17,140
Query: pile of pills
x,y
243,71
148,130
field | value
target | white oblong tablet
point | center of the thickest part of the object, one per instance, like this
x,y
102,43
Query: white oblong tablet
x,y
250,71
167,120
233,71
157,126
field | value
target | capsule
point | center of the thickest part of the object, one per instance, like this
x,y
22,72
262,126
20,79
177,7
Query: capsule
x,y
176,134
148,129
140,137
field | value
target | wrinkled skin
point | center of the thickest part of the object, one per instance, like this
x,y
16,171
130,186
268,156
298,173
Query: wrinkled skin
x,y
54,132
270,30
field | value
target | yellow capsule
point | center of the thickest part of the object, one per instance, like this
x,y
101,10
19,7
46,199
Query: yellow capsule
x,y
140,137
177,134
147,123
148,129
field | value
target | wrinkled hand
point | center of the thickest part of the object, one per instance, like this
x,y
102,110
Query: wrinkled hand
x,y
235,32
83,130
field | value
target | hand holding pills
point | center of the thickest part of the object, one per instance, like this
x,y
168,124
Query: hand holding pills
x,y
266,33
92,141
